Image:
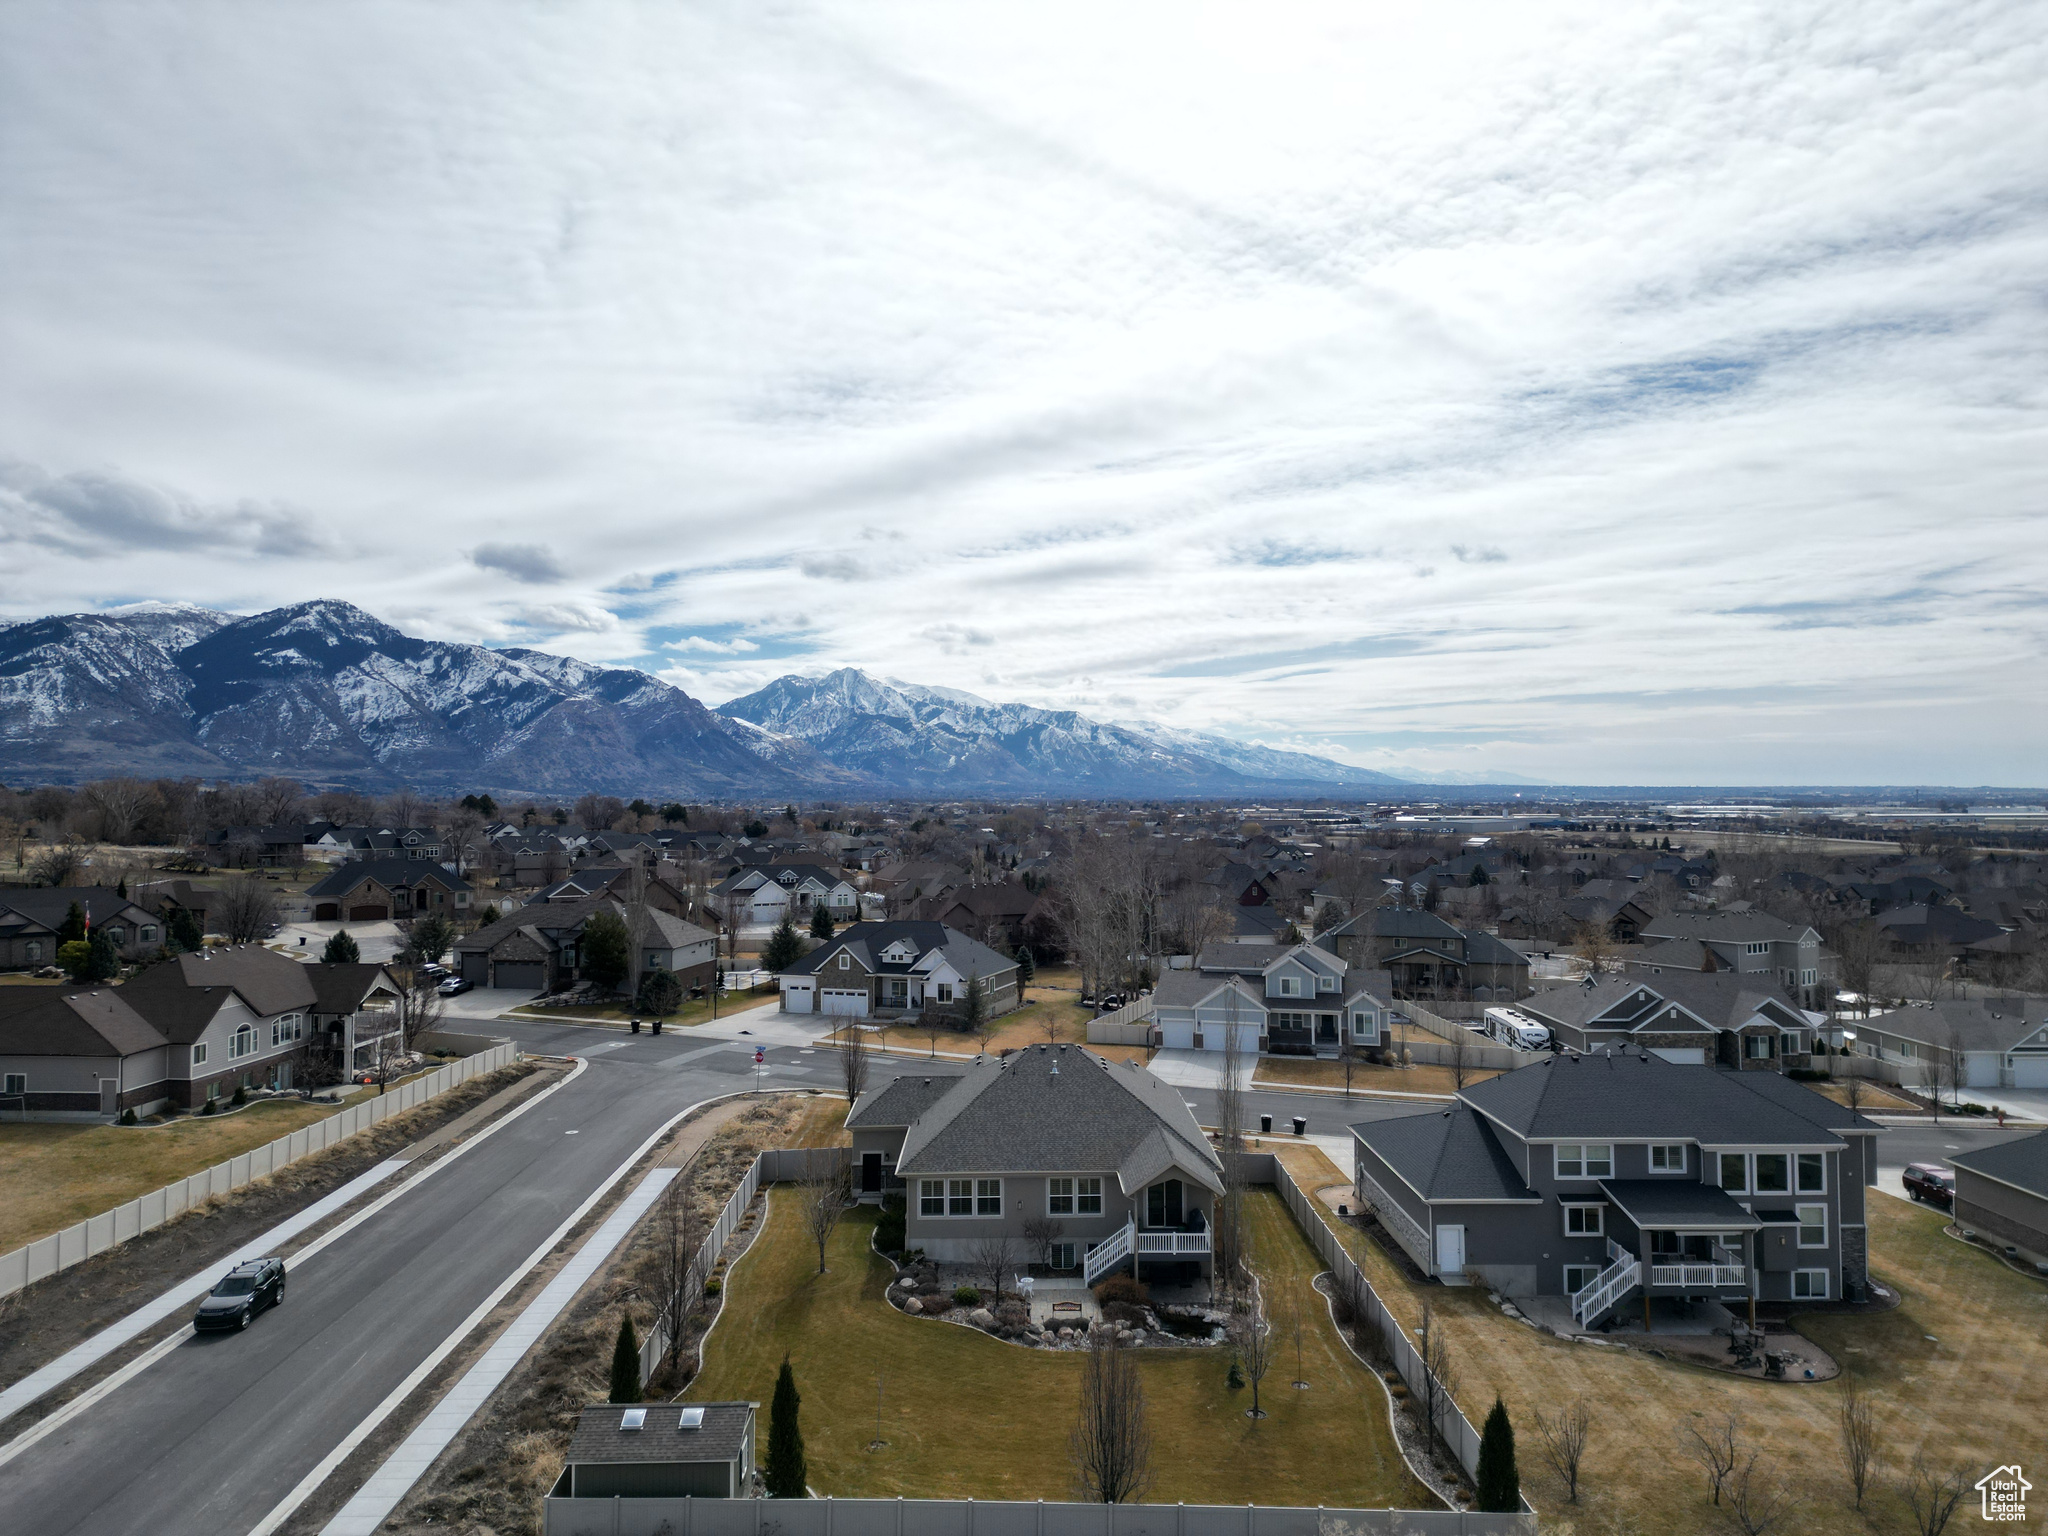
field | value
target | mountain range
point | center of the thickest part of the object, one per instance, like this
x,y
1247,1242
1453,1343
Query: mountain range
x,y
326,693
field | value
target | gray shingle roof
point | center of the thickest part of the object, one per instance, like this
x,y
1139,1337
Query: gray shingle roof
x,y
410,873
1678,1202
1627,1096
902,1101
868,940
1724,927
1446,1154
600,1442
181,995
53,1021
1979,1023
2023,1162
1055,1109
1722,998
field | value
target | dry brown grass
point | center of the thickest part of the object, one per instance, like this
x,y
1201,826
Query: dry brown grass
x,y
1876,1096
1286,1071
1960,1366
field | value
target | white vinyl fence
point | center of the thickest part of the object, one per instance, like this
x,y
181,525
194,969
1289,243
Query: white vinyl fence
x,y
1479,1051
975,1517
1128,1025
96,1234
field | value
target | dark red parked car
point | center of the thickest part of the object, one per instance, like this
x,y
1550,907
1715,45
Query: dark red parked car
x,y
1931,1182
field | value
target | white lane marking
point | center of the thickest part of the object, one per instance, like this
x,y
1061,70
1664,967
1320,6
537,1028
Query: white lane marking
x,y
609,1045
355,1437
147,1316
404,1466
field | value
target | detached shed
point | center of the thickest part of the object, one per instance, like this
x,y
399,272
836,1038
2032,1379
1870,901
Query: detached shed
x,y
660,1451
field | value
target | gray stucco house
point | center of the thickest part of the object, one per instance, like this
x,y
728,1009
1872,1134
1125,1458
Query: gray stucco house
x,y
895,969
2003,1190
1048,1133
1622,1177
1299,1001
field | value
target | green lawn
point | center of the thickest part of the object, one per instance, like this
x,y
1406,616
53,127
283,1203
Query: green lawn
x,y
965,1415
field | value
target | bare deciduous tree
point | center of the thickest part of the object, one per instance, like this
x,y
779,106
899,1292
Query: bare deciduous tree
x,y
995,1256
1758,1500
933,1022
1565,1434
118,804
1042,1234
1931,1495
1256,1343
1112,1445
1717,1449
418,1007
245,909
1458,1057
1862,1442
853,1062
824,1198
680,1262
1439,1370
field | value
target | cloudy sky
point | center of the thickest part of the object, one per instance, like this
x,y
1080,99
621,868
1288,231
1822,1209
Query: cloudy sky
x,y
1638,393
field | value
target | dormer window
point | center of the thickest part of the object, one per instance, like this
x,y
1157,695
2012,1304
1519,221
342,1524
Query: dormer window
x,y
1326,983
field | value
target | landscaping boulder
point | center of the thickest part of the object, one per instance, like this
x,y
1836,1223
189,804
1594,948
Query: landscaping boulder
x,y
981,1317
913,1305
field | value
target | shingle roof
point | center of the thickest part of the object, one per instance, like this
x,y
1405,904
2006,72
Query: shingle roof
x,y
341,987
1678,1203
1055,1108
1446,1154
1625,1094
48,906
2023,1162
900,1102
388,873
600,1442
1184,989
1979,1023
1243,959
64,1021
1726,927
1722,998
867,941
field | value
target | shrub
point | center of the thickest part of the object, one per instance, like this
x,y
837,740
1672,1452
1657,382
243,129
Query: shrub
x,y
241,1095
889,1231
212,1107
1122,1288
1124,1312
1235,1380
128,1117
1806,1075
713,1287
1500,1485
966,1296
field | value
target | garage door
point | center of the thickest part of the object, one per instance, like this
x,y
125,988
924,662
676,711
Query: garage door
x,y
375,914
796,1000
327,912
523,974
846,1004
2030,1071
476,969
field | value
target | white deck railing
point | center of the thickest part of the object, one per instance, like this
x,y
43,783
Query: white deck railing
x,y
1105,1256
1607,1287
1173,1242
1715,1276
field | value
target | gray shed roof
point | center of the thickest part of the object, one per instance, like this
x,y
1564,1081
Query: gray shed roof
x,y
599,1440
1678,1203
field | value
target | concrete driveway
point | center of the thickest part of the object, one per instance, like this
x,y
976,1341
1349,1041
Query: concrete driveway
x,y
1198,1069
374,941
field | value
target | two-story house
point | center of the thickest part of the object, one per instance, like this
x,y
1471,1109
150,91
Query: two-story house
x,y
1299,1001
1747,943
761,893
395,888
896,968
538,948
1428,957
1621,1178
354,1013
1107,1153
1711,1017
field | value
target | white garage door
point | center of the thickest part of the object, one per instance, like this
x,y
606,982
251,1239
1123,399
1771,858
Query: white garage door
x,y
1684,1055
796,999
852,1005
2030,1071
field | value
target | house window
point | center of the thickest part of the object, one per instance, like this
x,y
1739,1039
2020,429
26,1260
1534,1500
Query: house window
x,y
988,1197
1088,1196
199,1054
1059,1197
1163,1204
1813,1226
1757,1047
1773,1173
1810,1285
16,1084
931,1197
1062,1255
1326,983
286,1029
1591,1160
148,933
1584,1220
1364,1027
944,991
960,1197
1290,987
1578,1276
1734,1172
845,961
35,949
1813,1173
241,1042
1809,978
1668,1157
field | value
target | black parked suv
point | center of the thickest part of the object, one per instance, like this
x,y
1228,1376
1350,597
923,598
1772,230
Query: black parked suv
x,y
243,1292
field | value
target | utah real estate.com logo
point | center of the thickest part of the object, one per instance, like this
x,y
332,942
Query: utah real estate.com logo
x,y
2005,1495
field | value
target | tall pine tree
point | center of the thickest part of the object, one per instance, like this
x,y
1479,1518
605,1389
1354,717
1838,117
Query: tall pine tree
x,y
341,949
626,1364
785,1471
784,947
1500,1485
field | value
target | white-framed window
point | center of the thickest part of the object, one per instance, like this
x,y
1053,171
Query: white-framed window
x,y
241,1042
1773,1173
1813,1226
1074,1197
1810,1285
15,1084
1059,1197
1088,1196
199,1054
1326,983
1757,949
1585,1221
1585,1160
1062,1255
988,1197
1667,1157
1578,1276
1813,1173
960,1197
1734,1172
148,933
845,961
1809,978
944,991
1756,1047
285,1029
1290,986
1364,1026
931,1197
34,950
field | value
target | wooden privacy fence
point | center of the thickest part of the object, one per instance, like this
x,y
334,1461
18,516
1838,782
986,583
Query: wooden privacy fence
x,y
976,1517
1128,1025
96,1234
776,1165
1480,1052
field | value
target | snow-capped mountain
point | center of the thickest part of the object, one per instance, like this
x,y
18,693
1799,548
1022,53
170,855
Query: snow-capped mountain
x,y
941,739
324,691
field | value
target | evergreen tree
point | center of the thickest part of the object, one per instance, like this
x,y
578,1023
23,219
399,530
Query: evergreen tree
x,y
1500,1485
1025,969
1431,895
625,1364
76,958
660,993
102,960
607,949
785,945
973,1006
429,937
785,1470
1479,875
121,888
821,922
72,929
341,949
181,928
488,916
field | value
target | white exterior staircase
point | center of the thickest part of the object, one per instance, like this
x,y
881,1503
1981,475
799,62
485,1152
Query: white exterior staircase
x,y
1624,1272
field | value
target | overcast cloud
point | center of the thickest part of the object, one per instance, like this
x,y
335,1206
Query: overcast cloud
x,y
1610,393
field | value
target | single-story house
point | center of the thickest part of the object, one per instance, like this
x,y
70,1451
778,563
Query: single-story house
x,y
657,1451
1621,1178
1741,1021
2002,1042
1110,1154
31,917
896,968
1299,1001
538,947
2003,1190
394,888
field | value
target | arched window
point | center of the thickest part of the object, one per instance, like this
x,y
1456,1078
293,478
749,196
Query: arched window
x,y
242,1042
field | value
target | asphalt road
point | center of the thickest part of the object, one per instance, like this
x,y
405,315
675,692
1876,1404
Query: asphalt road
x,y
224,1426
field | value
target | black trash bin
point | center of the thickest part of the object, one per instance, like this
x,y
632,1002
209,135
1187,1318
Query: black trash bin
x,y
657,1026
1301,1125
636,1026
1265,1125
